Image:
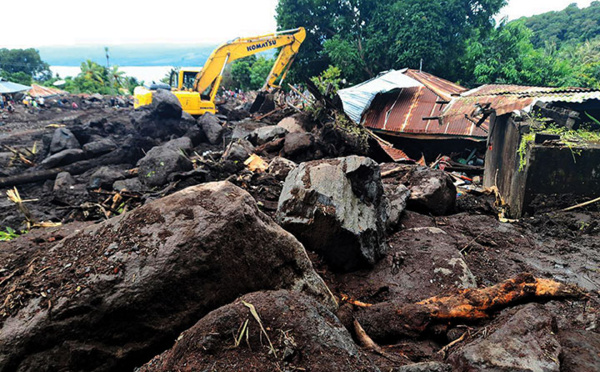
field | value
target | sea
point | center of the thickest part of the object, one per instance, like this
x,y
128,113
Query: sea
x,y
146,74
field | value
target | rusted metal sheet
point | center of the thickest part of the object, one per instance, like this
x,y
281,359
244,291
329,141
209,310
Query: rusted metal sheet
x,y
443,88
504,99
403,112
40,91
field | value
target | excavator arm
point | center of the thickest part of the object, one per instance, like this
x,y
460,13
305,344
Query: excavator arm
x,y
212,72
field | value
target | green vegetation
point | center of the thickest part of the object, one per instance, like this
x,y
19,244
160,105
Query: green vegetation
x,y
249,73
23,65
571,25
8,234
95,78
456,39
573,139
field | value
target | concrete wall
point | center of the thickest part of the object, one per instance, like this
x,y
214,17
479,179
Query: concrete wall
x,y
550,169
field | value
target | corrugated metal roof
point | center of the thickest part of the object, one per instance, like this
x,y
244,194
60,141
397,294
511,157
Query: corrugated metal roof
x,y
403,112
397,102
505,99
8,87
443,88
358,98
40,91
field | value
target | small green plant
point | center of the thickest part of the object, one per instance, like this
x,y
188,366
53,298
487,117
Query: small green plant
x,y
572,139
8,234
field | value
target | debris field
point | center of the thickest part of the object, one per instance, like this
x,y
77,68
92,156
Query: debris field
x,y
283,240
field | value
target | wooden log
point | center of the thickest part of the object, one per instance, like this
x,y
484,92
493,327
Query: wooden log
x,y
389,322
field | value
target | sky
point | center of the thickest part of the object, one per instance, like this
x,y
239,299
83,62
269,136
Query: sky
x,y
36,23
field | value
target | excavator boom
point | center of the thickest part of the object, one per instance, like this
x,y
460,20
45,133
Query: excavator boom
x,y
208,80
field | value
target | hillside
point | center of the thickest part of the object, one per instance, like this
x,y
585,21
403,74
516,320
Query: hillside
x,y
568,25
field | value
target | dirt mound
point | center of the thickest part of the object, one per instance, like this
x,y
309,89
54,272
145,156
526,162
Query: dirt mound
x,y
299,334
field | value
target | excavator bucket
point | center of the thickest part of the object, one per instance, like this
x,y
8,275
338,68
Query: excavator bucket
x,y
263,103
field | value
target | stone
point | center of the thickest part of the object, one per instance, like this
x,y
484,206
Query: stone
x,y
179,144
63,157
525,342
157,270
432,191
104,178
304,334
100,146
281,167
297,145
130,184
238,150
165,104
579,351
212,128
160,162
337,208
266,134
397,196
63,181
243,129
63,139
292,124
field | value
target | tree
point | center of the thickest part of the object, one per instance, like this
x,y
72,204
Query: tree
x,y
364,37
27,61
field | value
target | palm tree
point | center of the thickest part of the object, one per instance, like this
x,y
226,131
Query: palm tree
x,y
117,76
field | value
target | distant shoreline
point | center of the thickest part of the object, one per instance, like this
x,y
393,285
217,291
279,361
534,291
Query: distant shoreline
x,y
142,73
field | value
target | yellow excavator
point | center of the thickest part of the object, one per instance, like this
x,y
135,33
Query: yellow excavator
x,y
196,89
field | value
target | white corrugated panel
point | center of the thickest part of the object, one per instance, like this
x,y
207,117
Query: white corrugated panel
x,y
358,98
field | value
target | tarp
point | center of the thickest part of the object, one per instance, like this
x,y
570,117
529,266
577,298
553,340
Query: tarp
x,y
6,87
358,98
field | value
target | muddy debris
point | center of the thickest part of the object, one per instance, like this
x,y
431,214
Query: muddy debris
x,y
172,224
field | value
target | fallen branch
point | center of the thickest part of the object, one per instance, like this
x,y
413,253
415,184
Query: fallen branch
x,y
387,321
581,205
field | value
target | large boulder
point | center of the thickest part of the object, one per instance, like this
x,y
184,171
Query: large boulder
x,y
63,139
397,196
292,124
266,134
432,191
165,104
244,128
525,342
238,150
304,334
299,146
115,294
160,162
212,128
336,207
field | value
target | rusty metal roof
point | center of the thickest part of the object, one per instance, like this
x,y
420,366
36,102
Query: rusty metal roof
x,y
443,88
403,112
505,99
40,91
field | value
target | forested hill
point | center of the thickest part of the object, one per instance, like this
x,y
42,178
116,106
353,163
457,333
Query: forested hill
x,y
568,25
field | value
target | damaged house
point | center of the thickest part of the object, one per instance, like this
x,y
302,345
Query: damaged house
x,y
404,108
543,148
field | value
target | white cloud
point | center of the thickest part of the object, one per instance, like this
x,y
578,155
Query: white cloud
x,y
526,8
36,23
